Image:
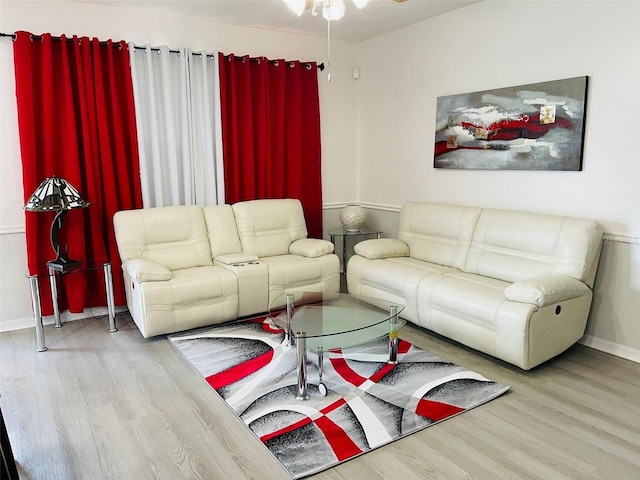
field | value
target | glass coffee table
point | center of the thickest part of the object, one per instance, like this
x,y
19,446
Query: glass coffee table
x,y
319,322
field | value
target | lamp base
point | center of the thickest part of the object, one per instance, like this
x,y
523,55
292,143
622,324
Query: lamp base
x,y
62,264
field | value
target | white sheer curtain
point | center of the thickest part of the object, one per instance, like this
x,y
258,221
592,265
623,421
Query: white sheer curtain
x,y
175,94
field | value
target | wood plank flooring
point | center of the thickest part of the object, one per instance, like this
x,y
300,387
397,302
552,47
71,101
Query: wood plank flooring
x,y
116,406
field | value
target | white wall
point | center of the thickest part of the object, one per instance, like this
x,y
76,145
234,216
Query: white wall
x,y
337,104
506,43
495,44
492,44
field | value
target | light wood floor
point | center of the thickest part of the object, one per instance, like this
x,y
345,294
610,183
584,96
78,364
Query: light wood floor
x,y
117,406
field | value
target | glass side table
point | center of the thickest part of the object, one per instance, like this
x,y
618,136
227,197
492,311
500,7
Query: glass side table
x,y
52,274
358,236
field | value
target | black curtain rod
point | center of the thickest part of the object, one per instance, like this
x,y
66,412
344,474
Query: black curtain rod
x,y
156,49
257,59
137,47
39,37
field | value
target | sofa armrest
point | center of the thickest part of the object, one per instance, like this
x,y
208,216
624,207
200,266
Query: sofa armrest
x,y
311,247
543,291
377,248
143,270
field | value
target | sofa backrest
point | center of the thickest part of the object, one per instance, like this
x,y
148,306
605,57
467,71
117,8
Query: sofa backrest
x,y
267,227
512,245
438,233
222,230
175,237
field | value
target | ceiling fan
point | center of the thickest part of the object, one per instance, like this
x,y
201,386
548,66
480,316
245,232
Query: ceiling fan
x,y
331,9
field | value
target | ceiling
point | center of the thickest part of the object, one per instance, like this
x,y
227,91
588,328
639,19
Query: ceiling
x,y
378,17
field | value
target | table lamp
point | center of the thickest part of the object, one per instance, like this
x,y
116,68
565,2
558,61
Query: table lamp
x,y
56,195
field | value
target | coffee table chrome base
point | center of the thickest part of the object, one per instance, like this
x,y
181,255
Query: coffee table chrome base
x,y
301,349
299,341
290,310
393,335
301,365
322,388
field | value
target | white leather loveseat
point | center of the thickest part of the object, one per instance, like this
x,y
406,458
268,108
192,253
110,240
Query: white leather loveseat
x,y
189,266
515,285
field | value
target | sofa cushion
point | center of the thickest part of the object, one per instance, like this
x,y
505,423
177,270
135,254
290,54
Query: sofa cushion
x,y
471,309
512,246
293,272
267,227
221,230
438,233
194,285
391,278
192,298
175,237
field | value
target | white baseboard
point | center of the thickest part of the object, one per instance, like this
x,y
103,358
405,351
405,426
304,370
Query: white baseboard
x,y
20,323
29,322
616,349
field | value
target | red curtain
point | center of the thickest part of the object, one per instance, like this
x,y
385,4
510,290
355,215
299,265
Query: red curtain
x,y
77,121
271,132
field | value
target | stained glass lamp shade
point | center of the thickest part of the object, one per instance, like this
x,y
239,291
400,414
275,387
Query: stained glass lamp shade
x,y
56,195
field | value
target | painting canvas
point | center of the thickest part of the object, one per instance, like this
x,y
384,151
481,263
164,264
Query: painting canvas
x,y
538,126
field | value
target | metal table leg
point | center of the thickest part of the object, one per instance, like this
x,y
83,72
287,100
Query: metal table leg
x,y
393,334
108,285
290,311
301,345
322,388
53,282
37,313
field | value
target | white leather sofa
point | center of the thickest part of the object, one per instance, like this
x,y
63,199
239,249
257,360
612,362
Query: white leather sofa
x,y
189,266
515,285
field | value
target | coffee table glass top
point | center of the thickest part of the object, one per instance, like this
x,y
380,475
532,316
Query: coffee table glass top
x,y
336,320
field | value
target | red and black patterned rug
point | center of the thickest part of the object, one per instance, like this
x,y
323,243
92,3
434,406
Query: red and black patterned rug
x,y
369,403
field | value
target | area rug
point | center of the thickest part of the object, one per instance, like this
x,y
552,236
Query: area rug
x,y
369,403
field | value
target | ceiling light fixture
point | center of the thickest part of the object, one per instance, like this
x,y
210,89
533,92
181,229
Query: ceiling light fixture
x,y
331,10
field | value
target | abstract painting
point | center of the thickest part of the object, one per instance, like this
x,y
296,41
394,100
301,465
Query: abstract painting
x,y
539,126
